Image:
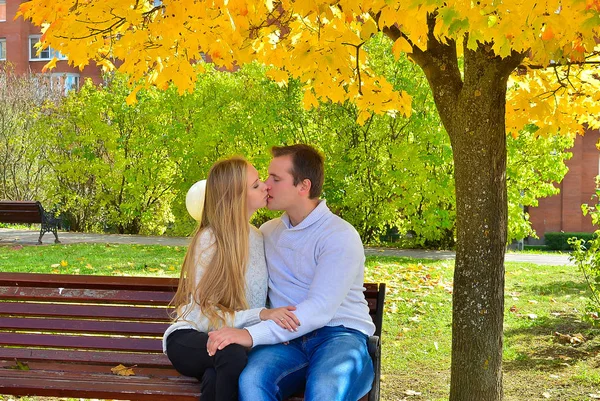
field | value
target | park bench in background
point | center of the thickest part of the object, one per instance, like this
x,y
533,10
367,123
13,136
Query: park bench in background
x,y
28,212
60,335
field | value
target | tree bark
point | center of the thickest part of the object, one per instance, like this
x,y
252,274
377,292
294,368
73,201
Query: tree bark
x,y
477,132
472,109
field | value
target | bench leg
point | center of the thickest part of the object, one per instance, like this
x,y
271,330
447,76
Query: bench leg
x,y
375,352
56,241
49,226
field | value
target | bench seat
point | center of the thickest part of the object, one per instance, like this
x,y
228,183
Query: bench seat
x,y
60,335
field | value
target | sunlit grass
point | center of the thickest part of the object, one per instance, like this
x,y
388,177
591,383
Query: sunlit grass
x,y
539,301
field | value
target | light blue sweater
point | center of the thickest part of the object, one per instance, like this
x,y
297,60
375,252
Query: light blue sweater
x,y
317,266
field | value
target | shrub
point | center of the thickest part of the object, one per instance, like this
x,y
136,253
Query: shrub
x,y
586,255
560,241
535,248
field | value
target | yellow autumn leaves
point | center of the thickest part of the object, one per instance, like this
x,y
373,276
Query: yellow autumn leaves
x,y
322,44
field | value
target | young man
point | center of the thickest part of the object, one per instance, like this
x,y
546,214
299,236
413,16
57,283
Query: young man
x,y
316,262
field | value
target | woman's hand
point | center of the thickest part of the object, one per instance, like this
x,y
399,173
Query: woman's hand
x,y
284,317
219,339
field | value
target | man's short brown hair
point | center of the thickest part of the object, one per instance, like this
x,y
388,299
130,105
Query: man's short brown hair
x,y
307,163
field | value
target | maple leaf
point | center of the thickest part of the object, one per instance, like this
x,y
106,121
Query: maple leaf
x,y
122,370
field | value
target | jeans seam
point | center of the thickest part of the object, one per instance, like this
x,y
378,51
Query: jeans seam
x,y
289,372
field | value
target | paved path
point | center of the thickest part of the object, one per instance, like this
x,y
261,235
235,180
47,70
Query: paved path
x,y
29,237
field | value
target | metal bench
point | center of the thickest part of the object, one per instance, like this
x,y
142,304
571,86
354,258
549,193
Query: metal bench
x,y
29,212
60,335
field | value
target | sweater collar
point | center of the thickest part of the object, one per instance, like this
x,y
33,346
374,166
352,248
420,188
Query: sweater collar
x,y
314,216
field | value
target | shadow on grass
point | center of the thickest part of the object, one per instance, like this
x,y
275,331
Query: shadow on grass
x,y
404,260
544,351
555,288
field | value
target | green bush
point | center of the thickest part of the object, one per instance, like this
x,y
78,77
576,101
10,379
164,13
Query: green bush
x,y
535,248
559,241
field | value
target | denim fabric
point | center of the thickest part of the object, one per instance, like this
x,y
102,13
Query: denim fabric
x,y
332,363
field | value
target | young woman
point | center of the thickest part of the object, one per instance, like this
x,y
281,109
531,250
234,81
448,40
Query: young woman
x,y
223,281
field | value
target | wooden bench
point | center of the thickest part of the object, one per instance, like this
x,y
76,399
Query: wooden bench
x,y
60,335
29,212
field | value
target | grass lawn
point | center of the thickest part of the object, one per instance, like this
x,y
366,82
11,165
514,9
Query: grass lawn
x,y
540,300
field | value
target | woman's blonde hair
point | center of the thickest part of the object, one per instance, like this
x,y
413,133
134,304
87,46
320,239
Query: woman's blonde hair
x,y
221,290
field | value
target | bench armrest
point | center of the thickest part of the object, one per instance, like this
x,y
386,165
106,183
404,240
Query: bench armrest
x,y
374,347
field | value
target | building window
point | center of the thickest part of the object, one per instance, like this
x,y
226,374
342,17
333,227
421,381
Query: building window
x,y
2,49
46,54
2,10
64,81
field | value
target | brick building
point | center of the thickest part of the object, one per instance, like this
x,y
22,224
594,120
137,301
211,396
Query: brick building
x,y
17,40
562,212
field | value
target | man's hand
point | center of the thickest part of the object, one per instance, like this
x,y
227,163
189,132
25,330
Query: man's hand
x,y
282,316
219,339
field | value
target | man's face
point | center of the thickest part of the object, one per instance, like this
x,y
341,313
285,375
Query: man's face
x,y
283,194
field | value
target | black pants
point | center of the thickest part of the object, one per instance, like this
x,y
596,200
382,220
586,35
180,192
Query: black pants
x,y
218,374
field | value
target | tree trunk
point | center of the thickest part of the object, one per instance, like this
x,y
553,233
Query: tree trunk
x,y
477,132
472,108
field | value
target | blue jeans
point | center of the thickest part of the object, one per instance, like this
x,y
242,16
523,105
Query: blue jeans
x,y
333,362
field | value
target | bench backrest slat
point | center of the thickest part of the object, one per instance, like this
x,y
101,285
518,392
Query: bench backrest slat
x,y
20,212
26,217
81,342
84,311
77,356
89,282
84,295
84,326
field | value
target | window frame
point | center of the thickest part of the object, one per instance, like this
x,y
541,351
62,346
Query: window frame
x,y
2,49
51,52
60,78
3,5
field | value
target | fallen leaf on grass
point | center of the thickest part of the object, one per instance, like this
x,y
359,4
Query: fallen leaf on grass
x,y
513,309
546,394
532,301
575,339
411,392
55,265
532,316
595,396
64,263
121,370
17,247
